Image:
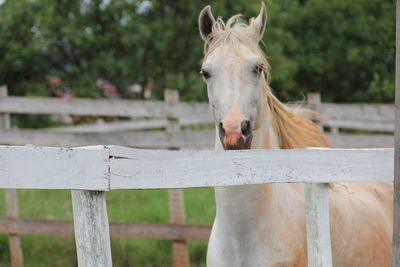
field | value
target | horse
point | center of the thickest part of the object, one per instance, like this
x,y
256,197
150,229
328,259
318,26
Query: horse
x,y
265,225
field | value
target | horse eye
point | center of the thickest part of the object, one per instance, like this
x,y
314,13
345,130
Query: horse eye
x,y
258,68
205,74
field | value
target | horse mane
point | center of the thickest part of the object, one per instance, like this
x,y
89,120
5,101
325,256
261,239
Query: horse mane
x,y
293,128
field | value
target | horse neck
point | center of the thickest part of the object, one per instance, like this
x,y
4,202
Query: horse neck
x,y
240,207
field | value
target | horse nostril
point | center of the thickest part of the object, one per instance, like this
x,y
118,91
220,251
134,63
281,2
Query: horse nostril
x,y
221,127
221,130
246,128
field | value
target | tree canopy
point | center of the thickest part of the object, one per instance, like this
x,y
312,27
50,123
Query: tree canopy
x,y
341,48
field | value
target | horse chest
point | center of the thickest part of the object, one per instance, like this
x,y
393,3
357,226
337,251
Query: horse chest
x,y
247,248
257,226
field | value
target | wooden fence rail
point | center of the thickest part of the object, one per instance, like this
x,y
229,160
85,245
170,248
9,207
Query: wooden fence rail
x,y
111,167
101,168
163,231
101,107
377,117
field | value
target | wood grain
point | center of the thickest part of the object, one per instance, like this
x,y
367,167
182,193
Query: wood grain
x,y
318,226
116,126
319,251
396,200
102,107
117,229
180,253
133,168
92,234
53,168
143,139
159,139
11,198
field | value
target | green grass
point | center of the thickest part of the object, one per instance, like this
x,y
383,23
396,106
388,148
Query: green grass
x,y
123,206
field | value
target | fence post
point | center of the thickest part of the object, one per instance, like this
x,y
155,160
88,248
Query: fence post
x,y
314,103
396,197
11,199
180,254
91,227
318,229
317,211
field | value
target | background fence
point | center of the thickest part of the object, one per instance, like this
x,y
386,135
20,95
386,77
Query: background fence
x,y
350,125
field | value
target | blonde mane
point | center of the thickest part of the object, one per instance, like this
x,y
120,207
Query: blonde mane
x,y
267,222
293,129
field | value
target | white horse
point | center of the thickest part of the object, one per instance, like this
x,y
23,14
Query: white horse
x,y
264,225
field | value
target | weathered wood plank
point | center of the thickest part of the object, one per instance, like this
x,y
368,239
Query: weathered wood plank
x,y
396,199
317,210
359,125
132,168
142,139
358,112
158,139
92,234
12,210
153,139
53,168
140,108
101,107
117,229
180,252
116,126
360,141
87,168
11,198
318,229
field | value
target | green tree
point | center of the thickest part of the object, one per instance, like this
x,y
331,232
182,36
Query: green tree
x,y
343,49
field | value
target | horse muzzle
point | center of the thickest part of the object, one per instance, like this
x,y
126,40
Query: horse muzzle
x,y
236,138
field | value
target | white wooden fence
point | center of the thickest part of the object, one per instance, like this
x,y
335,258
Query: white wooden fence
x,y
371,117
91,171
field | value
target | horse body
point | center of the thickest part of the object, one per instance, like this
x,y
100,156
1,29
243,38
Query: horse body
x,y
265,225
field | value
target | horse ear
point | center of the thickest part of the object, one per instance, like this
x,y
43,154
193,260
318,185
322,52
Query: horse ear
x,y
206,22
260,22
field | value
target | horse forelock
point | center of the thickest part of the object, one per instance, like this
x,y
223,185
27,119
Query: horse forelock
x,y
232,33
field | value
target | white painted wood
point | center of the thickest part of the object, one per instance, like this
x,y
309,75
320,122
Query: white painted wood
x,y
396,193
91,227
180,251
159,139
86,168
102,107
11,199
129,125
132,168
359,125
140,108
143,139
4,116
53,168
360,141
358,112
318,227
317,211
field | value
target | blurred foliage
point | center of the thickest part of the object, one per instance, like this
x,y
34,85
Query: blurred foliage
x,y
341,48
